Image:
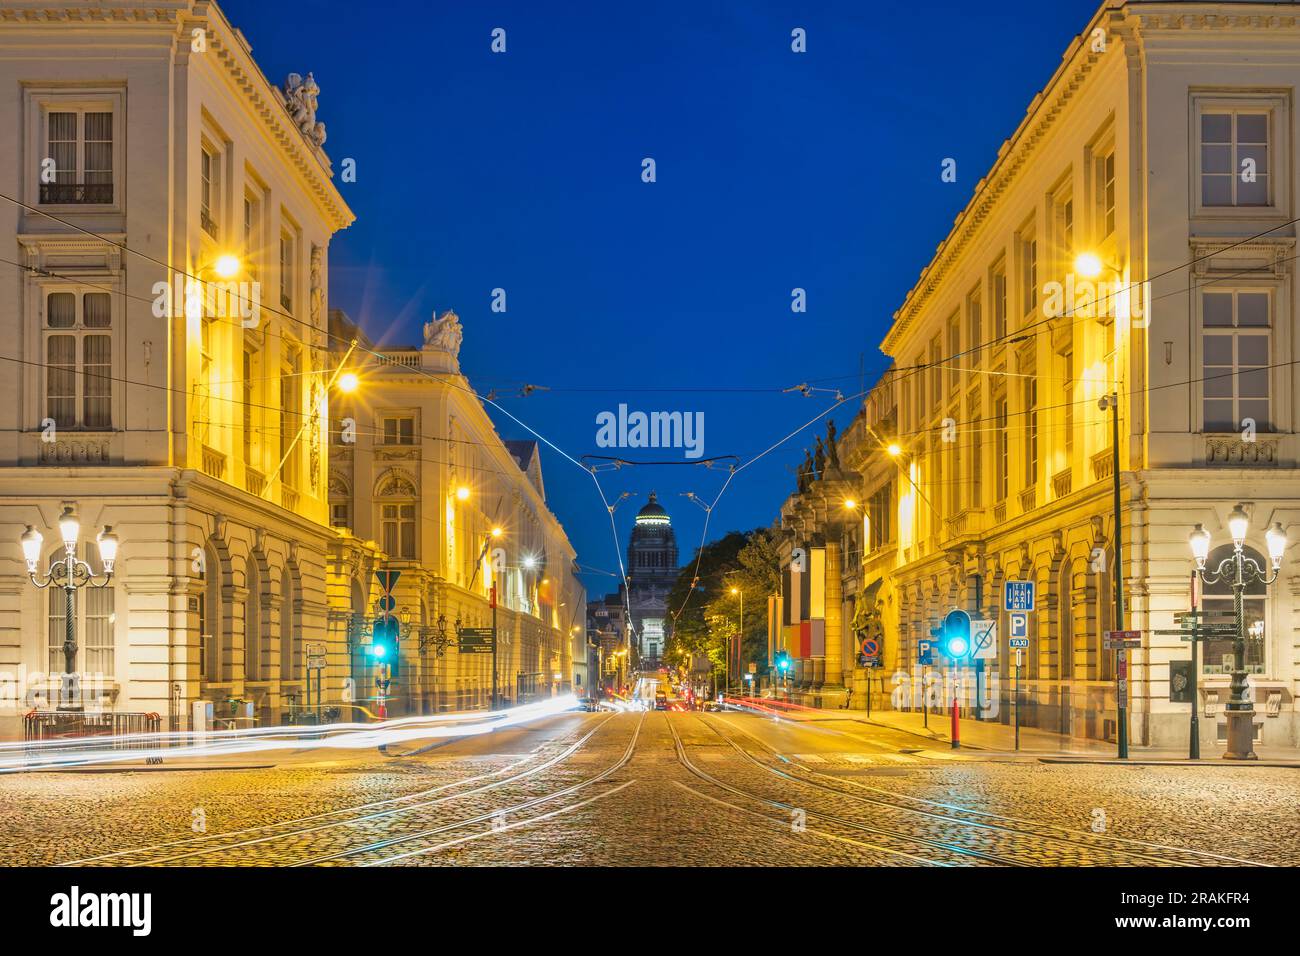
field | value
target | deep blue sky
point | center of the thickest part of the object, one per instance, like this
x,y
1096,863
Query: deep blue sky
x,y
775,170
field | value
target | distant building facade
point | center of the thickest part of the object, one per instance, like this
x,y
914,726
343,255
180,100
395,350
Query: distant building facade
x,y
418,471
652,571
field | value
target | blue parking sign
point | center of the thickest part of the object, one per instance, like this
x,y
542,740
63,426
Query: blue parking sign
x,y
1019,625
1018,595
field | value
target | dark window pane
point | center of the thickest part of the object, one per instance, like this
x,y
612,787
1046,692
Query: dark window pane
x,y
1216,190
1217,309
1216,127
1218,416
1252,128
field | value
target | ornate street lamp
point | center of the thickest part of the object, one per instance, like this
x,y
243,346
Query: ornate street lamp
x,y
69,573
1239,570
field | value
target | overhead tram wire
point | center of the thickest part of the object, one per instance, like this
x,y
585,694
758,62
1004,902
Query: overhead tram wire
x,y
1007,338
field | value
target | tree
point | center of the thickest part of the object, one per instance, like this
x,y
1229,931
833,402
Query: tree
x,y
710,613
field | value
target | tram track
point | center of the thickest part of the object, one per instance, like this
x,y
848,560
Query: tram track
x,y
195,847
1120,851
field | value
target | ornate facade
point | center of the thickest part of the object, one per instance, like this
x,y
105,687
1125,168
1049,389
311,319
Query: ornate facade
x,y
652,571
983,456
166,359
418,471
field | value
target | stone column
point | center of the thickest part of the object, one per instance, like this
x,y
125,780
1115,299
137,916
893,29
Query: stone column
x,y
834,677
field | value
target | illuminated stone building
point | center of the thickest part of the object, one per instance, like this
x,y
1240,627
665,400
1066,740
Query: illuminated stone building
x,y
153,159
652,571
1134,236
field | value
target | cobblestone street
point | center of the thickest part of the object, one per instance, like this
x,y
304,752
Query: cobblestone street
x,y
658,789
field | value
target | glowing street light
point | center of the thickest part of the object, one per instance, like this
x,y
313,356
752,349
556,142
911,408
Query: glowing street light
x,y
462,494
894,449
1088,265
69,573
227,266
1239,570
348,382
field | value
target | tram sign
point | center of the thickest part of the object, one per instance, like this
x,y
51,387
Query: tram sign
x,y
1017,595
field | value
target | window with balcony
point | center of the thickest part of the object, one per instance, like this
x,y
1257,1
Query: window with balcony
x,y
77,167
79,359
286,271
1105,193
207,191
1235,349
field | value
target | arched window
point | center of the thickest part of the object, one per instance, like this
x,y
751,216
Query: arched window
x,y
290,630
1218,655
253,624
212,631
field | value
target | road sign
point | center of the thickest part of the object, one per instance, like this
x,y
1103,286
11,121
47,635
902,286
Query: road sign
x,y
984,639
870,647
924,653
474,640
315,657
1019,627
1017,595
1118,640
387,579
1018,641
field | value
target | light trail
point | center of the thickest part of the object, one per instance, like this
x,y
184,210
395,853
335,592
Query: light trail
x,y
44,755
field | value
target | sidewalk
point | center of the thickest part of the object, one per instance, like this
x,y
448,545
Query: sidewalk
x,y
995,740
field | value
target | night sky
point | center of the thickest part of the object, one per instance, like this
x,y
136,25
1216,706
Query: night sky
x,y
775,170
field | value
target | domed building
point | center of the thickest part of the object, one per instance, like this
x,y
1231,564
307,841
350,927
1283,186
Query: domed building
x,y
652,571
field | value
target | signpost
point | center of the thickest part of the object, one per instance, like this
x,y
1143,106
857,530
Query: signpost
x,y
387,622
315,662
1193,626
476,640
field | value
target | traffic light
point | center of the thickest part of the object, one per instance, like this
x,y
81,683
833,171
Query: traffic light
x,y
954,639
383,643
783,662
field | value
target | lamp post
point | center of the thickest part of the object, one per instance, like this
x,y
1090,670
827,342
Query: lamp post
x,y
69,573
1239,570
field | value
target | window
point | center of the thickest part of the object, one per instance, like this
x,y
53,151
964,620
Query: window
x,y
1031,430
974,323
880,510
936,371
290,631
1028,245
80,142
340,515
1066,377
249,398
1235,359
286,271
252,242
998,293
397,523
207,170
79,359
93,609
954,349
1106,194
290,415
976,460
254,625
1235,158
1001,451
399,430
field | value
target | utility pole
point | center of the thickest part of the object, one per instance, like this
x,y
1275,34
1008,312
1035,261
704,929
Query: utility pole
x,y
494,645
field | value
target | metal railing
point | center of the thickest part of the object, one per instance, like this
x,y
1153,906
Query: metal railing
x,y
77,193
121,731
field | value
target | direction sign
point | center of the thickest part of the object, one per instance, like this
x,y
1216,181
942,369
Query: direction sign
x,y
1017,595
1018,641
1119,640
474,640
1019,627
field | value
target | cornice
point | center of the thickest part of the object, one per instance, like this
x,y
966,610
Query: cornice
x,y
126,13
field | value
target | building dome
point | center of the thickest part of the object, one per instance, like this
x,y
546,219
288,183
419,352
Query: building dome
x,y
653,512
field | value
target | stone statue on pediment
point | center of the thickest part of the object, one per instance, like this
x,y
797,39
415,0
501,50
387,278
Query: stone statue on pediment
x,y
444,333
301,98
